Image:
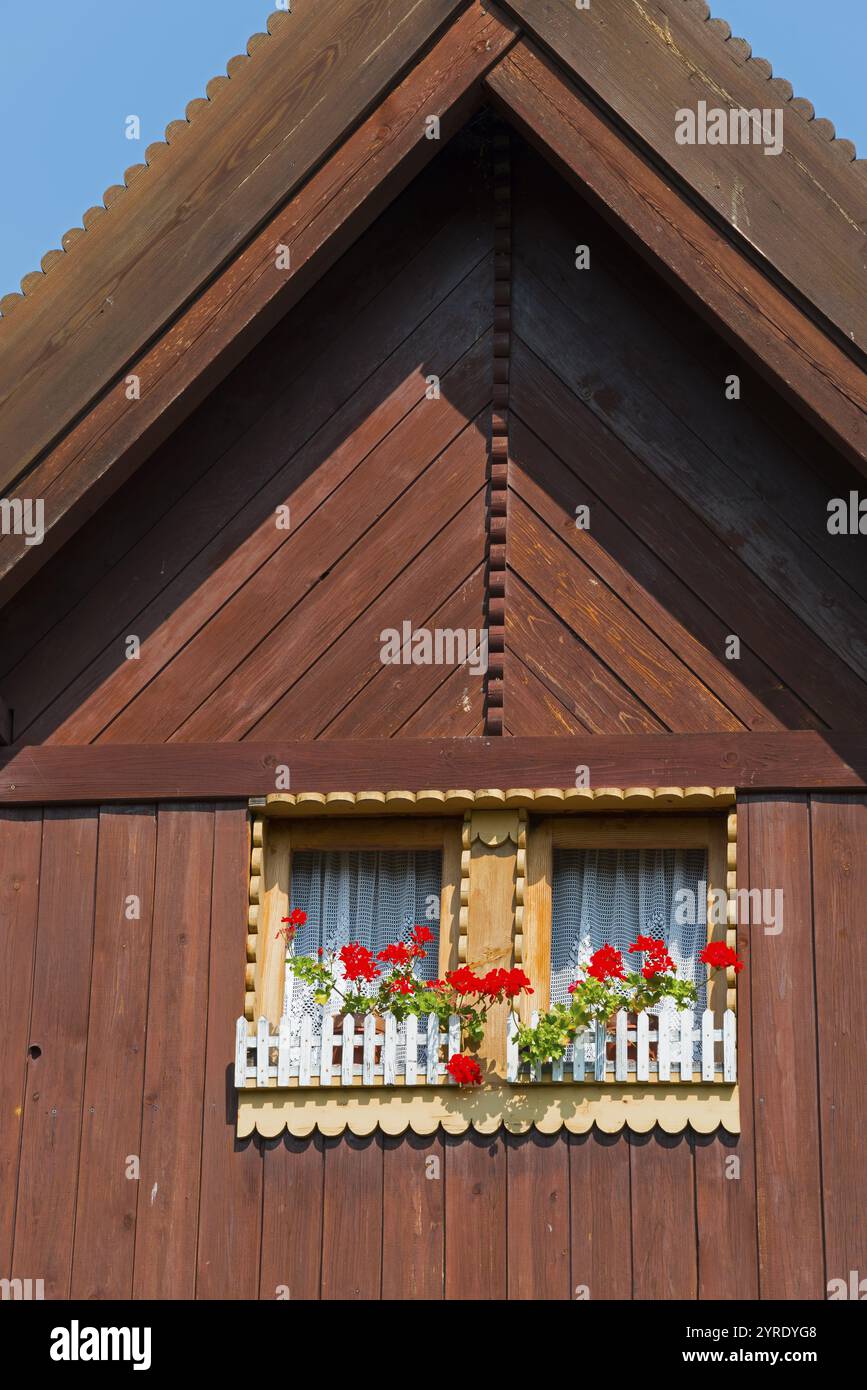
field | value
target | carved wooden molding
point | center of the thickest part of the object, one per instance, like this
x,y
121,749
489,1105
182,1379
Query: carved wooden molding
x,y
486,1108
456,800
498,496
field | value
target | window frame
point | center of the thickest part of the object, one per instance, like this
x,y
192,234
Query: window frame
x,y
271,886
628,830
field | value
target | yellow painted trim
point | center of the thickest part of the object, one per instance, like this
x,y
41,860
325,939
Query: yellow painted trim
x,y
454,801
547,1107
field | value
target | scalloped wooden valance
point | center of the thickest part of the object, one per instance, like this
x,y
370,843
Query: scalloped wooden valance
x,y
548,1108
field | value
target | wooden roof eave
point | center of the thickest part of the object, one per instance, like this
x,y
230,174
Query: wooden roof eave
x,y
804,211
252,293
740,301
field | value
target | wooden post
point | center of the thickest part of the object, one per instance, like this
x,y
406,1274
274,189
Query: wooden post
x,y
494,838
274,900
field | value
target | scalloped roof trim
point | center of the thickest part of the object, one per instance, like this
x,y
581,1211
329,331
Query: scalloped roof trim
x,y
740,51
156,151
546,1108
431,801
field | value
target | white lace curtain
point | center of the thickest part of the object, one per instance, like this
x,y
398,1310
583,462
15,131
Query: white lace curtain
x,y
610,895
375,897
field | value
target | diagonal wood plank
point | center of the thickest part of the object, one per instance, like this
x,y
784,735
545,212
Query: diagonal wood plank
x,y
249,690
315,421
588,362
595,696
346,298
352,660
765,446
610,629
622,561
723,583
397,692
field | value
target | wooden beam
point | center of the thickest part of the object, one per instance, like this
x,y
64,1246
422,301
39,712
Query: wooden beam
x,y
54,773
176,224
804,210
715,278
5,723
252,293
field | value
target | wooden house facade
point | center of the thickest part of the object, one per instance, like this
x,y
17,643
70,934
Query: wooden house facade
x,y
427,322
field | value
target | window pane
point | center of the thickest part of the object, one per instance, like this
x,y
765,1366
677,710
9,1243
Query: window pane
x,y
375,897
610,895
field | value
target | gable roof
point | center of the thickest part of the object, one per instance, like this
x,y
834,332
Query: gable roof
x,y
178,280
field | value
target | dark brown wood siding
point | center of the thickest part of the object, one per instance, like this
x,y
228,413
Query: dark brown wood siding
x,y
133,1017
707,516
250,622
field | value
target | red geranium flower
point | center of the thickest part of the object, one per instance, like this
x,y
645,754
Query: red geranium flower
x,y
718,955
395,954
606,964
357,962
402,985
464,980
493,981
646,943
464,1070
420,935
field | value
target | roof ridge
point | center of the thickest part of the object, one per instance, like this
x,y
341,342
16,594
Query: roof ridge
x,y
740,51
195,108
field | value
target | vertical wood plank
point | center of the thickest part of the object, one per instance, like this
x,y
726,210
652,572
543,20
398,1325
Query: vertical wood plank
x,y
726,1190
663,1216
839,839
601,1219
55,1082
537,917
538,1217
231,1192
726,1216
788,1177
167,1224
450,899
490,935
352,1218
476,1237
271,950
413,1215
20,847
292,1206
108,1197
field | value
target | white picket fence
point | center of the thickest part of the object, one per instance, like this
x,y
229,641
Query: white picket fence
x,y
301,1057
677,1039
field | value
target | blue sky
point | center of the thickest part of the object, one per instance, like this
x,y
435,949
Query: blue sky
x,y
73,70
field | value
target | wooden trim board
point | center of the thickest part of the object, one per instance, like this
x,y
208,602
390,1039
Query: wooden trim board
x,y
55,774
